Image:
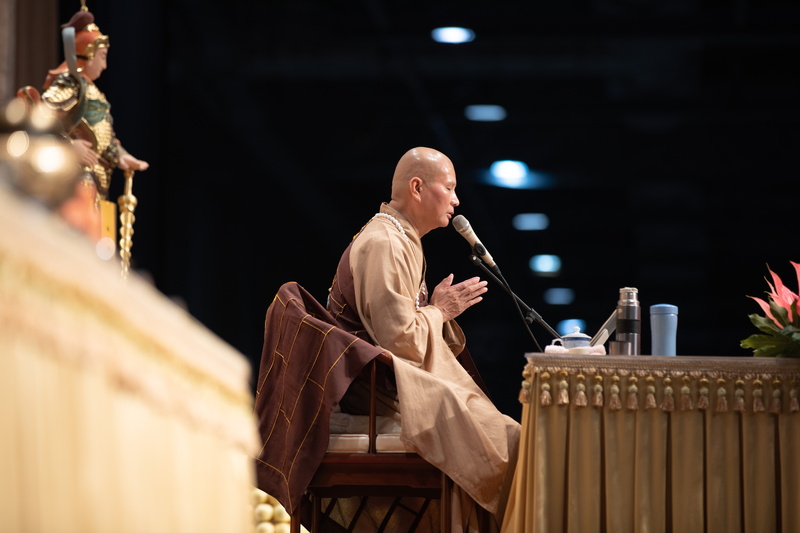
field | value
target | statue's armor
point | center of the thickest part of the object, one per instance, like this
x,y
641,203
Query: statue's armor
x,y
88,117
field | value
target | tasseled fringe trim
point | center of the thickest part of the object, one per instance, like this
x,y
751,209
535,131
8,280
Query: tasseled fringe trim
x,y
722,396
525,389
738,401
563,389
614,403
758,397
633,394
545,398
668,403
650,398
738,397
525,392
702,400
777,394
597,400
594,394
580,396
686,398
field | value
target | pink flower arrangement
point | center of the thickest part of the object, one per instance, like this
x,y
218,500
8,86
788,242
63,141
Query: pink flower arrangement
x,y
781,323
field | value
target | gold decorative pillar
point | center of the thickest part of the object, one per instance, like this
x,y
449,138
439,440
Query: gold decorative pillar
x,y
127,204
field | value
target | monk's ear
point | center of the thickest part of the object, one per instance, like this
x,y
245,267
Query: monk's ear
x,y
414,187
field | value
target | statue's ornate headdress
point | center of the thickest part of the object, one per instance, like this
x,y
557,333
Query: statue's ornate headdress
x,y
88,38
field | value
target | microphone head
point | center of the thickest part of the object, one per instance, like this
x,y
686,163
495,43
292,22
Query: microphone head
x,y
460,223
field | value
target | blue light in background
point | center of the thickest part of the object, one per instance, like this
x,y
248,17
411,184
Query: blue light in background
x,y
530,222
512,174
559,296
485,113
507,173
545,264
453,35
565,327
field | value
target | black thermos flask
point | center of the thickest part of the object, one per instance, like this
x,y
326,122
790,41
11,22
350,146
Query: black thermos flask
x,y
629,319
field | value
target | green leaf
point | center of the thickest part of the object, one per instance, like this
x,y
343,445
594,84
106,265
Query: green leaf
x,y
757,341
778,345
764,324
791,332
780,314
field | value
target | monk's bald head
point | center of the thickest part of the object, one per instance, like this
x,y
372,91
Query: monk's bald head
x,y
423,163
424,189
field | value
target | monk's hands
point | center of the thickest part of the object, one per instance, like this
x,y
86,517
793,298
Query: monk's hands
x,y
452,300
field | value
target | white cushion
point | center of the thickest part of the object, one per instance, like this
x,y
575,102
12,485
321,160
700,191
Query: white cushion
x,y
348,443
359,443
347,423
391,443
348,434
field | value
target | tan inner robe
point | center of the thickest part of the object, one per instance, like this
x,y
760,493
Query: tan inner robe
x,y
446,418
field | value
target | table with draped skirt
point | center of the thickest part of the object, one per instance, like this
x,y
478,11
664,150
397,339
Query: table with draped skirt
x,y
657,444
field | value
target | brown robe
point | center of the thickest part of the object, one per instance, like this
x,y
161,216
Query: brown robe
x,y
307,364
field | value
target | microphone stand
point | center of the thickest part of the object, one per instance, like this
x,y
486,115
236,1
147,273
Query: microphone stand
x,y
530,314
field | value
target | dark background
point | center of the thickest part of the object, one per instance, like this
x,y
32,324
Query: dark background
x,y
670,129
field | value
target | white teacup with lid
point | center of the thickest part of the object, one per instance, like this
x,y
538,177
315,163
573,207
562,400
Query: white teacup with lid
x,y
575,342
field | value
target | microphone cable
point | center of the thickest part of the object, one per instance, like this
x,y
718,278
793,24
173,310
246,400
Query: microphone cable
x,y
502,281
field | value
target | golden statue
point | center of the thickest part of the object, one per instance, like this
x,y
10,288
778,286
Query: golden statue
x,y
84,112
84,109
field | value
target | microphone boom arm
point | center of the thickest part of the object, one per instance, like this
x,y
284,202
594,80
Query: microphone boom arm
x,y
530,314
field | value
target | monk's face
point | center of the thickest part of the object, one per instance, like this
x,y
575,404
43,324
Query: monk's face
x,y
439,197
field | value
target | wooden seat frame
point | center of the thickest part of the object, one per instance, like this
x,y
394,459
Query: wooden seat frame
x,y
342,475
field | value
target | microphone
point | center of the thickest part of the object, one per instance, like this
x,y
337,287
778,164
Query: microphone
x,y
462,226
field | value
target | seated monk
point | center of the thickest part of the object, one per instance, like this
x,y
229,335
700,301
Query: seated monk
x,y
379,293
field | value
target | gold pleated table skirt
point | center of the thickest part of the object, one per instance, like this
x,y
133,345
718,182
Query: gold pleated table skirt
x,y
657,444
118,411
